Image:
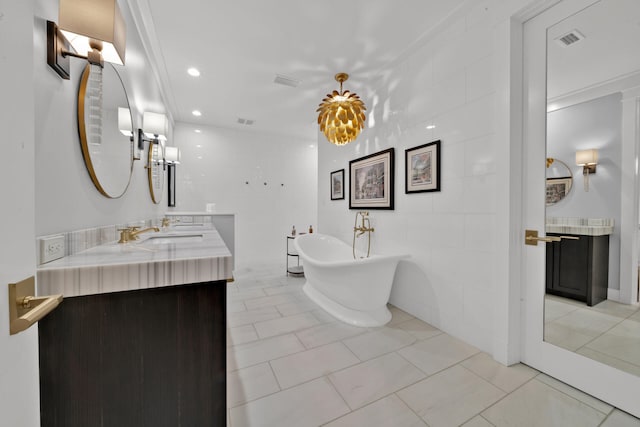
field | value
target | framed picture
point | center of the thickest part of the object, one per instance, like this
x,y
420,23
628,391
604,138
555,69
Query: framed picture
x,y
371,181
337,185
557,189
422,168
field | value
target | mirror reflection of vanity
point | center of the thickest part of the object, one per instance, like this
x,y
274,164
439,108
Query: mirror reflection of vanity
x,y
589,81
105,129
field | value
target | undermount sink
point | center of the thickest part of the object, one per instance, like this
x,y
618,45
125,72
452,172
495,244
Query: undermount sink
x,y
174,238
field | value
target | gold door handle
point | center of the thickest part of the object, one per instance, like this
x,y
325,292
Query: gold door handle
x,y
531,238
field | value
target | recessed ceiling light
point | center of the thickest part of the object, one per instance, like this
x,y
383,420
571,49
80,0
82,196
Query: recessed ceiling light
x,y
198,146
197,131
194,72
431,127
311,146
196,113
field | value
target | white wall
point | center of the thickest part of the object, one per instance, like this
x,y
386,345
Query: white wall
x,y
66,198
594,124
448,81
19,402
215,167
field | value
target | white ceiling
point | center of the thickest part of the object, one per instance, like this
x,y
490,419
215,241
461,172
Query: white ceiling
x,y
239,46
608,52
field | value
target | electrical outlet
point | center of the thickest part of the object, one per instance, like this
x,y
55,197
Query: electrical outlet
x,y
51,248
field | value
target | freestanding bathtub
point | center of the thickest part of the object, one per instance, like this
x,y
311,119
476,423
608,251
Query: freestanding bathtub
x,y
355,291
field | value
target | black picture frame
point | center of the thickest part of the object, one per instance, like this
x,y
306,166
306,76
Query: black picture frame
x,y
422,168
171,185
371,181
337,185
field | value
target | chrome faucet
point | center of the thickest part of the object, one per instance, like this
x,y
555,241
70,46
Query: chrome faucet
x,y
358,231
131,233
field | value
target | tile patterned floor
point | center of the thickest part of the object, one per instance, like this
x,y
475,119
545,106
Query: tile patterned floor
x,y
608,332
291,364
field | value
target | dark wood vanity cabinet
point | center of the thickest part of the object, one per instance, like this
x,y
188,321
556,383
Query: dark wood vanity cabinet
x,y
578,269
152,357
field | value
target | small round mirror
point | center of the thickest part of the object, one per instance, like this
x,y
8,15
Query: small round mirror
x,y
105,128
559,180
155,171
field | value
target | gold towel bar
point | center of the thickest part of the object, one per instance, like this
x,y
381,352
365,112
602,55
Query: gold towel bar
x,y
25,309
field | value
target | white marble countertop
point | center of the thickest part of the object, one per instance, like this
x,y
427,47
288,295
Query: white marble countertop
x,y
196,213
171,257
581,226
584,230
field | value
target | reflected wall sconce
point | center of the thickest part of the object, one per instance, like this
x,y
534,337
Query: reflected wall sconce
x,y
124,122
341,115
172,155
154,130
94,30
588,159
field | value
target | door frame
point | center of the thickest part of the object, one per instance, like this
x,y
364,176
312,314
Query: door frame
x,y
604,382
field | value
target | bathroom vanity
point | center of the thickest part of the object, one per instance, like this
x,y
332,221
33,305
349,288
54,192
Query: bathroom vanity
x,y
578,262
140,338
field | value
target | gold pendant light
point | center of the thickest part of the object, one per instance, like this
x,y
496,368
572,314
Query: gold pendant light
x,y
341,115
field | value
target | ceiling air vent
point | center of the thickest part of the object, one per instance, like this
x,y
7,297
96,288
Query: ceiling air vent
x,y
572,37
287,81
247,122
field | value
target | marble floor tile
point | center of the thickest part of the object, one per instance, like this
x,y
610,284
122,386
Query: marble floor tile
x,y
503,377
369,381
585,398
621,342
323,316
635,316
307,365
609,360
244,355
251,316
284,325
272,300
398,315
296,307
477,421
564,336
437,353
554,309
283,289
416,327
618,418
250,383
235,307
327,333
587,322
537,404
450,397
379,341
390,411
242,295
307,405
241,335
617,309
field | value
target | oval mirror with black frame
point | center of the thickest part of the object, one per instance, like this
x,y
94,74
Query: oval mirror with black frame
x,y
155,171
559,180
105,129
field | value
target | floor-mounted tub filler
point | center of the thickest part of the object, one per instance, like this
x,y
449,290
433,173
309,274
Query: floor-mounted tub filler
x,y
355,291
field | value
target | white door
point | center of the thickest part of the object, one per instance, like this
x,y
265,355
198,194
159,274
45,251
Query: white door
x,y
612,385
19,396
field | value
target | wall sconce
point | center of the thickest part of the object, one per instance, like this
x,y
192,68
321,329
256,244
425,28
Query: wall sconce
x,y
90,29
588,159
172,155
154,130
